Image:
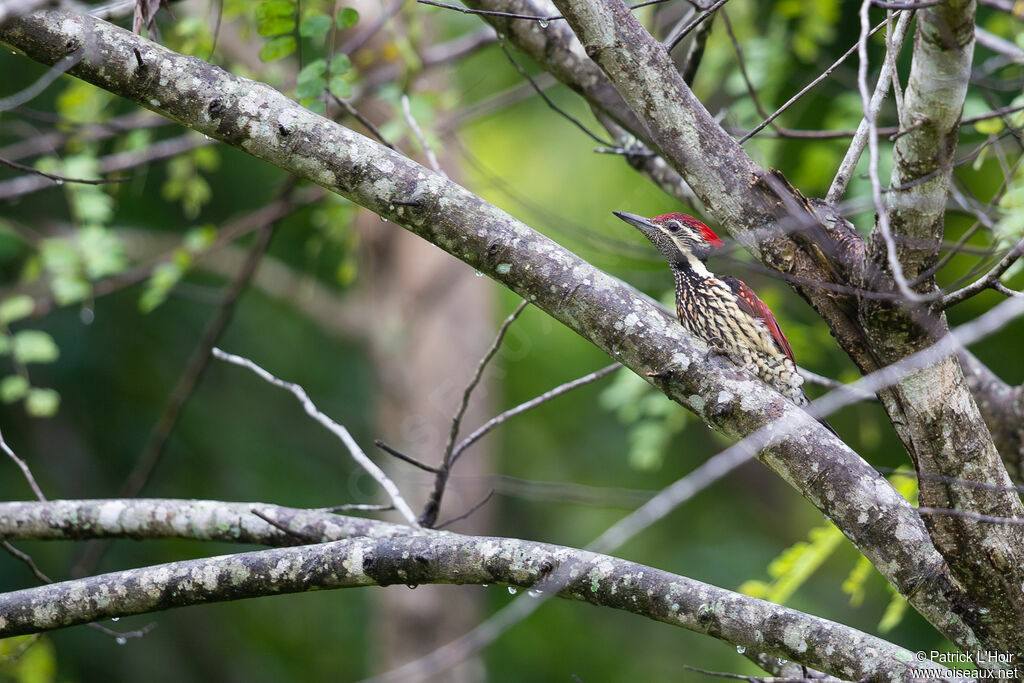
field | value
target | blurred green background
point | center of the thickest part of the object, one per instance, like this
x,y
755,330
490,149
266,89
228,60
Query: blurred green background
x,y
240,439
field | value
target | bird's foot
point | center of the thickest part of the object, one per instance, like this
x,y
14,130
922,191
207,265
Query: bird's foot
x,y
716,347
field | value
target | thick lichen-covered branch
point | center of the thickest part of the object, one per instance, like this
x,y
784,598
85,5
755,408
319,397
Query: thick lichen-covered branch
x,y
613,316
200,520
944,431
835,257
933,409
440,557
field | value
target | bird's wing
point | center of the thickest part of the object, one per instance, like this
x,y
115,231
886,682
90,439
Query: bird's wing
x,y
752,304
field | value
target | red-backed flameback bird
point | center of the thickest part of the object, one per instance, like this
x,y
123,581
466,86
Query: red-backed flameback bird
x,y
721,310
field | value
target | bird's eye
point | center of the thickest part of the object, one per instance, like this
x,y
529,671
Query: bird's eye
x,y
674,227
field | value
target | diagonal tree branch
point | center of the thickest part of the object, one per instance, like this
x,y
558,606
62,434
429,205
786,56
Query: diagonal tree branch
x,y
943,422
760,208
619,320
831,259
935,413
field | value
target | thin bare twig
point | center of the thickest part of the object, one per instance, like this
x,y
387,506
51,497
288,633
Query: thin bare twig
x,y
922,4
354,113
829,383
390,450
119,161
548,101
44,81
468,512
966,514
359,507
543,19
803,91
957,481
870,106
990,279
23,467
198,361
527,405
59,179
491,13
429,515
698,20
749,679
27,560
420,137
738,49
302,538
881,211
337,429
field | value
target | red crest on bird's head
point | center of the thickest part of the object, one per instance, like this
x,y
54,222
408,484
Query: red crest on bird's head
x,y
686,219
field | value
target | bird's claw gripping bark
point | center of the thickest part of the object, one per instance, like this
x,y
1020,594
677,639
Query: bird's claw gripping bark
x,y
716,347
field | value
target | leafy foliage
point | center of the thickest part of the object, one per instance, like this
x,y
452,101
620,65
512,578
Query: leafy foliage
x,y
185,182
168,274
28,659
652,419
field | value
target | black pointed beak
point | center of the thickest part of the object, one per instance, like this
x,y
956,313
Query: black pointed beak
x,y
639,222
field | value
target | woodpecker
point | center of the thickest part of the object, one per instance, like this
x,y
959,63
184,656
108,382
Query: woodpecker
x,y
722,311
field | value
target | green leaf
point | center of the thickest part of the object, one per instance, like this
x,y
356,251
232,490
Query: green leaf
x,y
314,25
797,563
340,64
13,388
316,106
165,277
894,612
101,251
28,659
59,255
346,272
754,588
278,48
989,126
42,402
647,441
67,289
35,346
310,88
854,583
276,26
340,87
347,17
275,8
206,158
198,239
312,71
16,307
